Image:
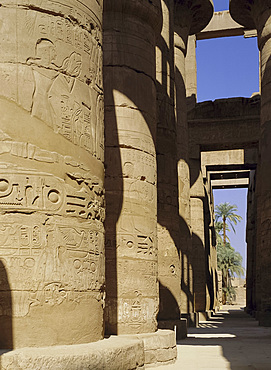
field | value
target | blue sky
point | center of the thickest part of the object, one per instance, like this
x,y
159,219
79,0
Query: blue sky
x,y
229,67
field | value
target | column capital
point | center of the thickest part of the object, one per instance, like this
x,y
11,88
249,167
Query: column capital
x,y
253,14
190,17
148,11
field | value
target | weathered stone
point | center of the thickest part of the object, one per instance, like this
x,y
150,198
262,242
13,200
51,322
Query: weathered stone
x,y
110,354
179,326
257,14
130,122
160,347
52,192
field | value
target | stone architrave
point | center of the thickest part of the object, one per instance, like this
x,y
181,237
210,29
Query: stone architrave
x,y
189,18
257,14
51,183
130,29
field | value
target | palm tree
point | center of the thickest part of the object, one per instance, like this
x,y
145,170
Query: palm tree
x,y
218,228
229,262
226,212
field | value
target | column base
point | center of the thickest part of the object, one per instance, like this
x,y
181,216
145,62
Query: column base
x,y
113,353
178,326
205,315
264,319
192,319
159,347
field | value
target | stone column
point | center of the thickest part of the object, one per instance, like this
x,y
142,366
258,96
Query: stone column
x,y
257,14
251,244
169,269
189,19
130,29
198,253
51,185
191,72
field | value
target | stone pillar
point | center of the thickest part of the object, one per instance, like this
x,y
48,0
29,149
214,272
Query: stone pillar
x,y
188,19
257,14
191,72
51,185
251,244
169,269
130,29
198,254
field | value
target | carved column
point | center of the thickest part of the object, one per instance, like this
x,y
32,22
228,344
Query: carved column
x,y
251,243
51,185
169,269
199,247
257,14
189,19
130,29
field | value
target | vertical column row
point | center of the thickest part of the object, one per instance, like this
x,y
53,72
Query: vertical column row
x,y
257,14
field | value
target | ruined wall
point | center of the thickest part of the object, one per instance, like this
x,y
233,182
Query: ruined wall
x,y
51,185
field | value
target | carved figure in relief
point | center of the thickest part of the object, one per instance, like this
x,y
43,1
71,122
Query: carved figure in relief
x,y
45,71
134,311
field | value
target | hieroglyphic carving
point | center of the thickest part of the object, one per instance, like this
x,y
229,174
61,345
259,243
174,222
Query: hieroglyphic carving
x,y
137,246
26,191
58,261
137,311
141,274
58,76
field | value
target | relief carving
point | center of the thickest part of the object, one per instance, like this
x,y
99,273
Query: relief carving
x,y
58,261
59,72
26,191
137,311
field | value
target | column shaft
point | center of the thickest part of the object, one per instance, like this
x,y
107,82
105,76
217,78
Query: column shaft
x,y
169,269
130,29
51,185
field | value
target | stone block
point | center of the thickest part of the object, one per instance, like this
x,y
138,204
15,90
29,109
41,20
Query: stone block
x,y
204,316
192,319
160,347
110,354
179,326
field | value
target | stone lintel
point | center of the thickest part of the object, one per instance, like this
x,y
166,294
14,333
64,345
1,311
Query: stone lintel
x,y
225,124
222,25
230,183
241,159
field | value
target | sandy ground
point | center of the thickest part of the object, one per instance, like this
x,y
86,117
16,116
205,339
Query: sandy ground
x,y
229,340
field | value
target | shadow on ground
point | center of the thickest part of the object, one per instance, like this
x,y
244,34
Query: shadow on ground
x,y
231,339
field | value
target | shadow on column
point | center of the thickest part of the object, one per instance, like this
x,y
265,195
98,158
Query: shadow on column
x,y
120,77
168,306
6,334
